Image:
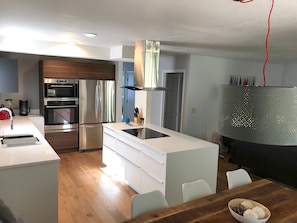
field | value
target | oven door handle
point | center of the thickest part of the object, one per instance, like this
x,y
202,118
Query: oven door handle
x,y
61,86
62,106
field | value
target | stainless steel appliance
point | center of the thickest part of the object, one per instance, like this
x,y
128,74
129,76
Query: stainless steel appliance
x,y
60,112
96,106
24,107
146,66
60,115
60,88
61,123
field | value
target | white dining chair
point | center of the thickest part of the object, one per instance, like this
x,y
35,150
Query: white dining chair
x,y
147,202
237,178
195,189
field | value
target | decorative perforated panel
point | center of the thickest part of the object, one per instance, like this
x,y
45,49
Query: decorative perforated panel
x,y
266,115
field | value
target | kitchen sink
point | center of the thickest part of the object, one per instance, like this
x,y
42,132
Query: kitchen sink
x,y
19,140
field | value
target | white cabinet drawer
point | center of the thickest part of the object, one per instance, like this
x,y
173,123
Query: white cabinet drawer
x,y
129,152
154,166
150,183
110,159
109,131
131,175
109,141
157,155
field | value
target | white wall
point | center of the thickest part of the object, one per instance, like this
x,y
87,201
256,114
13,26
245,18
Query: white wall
x,y
28,78
205,75
290,75
118,91
157,101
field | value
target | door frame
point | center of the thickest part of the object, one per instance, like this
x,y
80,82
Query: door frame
x,y
164,76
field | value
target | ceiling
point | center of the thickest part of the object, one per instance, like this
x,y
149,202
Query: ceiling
x,y
223,28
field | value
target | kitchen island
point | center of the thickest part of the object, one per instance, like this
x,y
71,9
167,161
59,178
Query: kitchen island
x,y
160,163
29,174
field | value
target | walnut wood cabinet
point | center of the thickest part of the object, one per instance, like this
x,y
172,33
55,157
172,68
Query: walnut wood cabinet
x,y
59,69
63,141
96,71
77,70
68,141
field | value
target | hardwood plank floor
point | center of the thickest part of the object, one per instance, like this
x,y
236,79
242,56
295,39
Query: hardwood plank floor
x,y
88,194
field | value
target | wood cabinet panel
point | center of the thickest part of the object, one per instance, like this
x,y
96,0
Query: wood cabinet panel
x,y
59,69
63,141
70,69
96,71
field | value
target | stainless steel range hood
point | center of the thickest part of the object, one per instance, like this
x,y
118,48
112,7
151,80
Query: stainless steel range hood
x,y
146,66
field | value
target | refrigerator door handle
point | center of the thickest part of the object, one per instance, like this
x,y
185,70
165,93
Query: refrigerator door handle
x,y
97,100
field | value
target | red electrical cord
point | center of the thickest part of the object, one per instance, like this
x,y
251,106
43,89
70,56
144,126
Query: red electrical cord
x,y
266,40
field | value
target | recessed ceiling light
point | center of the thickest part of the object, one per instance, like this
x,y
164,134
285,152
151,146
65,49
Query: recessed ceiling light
x,y
73,42
90,34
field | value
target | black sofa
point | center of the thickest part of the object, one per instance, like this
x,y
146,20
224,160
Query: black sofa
x,y
268,161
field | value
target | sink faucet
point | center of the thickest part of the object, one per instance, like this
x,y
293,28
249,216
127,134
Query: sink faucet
x,y
10,114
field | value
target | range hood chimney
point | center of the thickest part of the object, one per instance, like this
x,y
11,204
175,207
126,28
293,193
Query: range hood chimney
x,y
146,66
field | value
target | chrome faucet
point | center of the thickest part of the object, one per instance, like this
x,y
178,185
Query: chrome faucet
x,y
10,114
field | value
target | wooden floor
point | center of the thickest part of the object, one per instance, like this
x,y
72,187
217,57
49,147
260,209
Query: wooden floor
x,y
88,194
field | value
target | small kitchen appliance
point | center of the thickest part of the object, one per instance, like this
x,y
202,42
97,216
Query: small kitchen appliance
x,y
24,107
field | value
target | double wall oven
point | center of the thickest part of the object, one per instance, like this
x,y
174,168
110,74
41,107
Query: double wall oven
x,y
61,113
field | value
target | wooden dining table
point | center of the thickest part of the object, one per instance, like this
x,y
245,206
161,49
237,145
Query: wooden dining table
x,y
279,199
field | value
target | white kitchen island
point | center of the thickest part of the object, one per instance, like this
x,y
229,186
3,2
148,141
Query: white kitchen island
x,y
159,163
29,175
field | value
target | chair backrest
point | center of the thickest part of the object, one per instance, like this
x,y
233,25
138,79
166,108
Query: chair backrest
x,y
147,202
237,178
195,189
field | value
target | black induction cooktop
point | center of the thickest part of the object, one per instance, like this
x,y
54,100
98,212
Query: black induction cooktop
x,y
145,133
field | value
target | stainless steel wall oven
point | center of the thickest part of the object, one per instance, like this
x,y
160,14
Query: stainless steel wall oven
x,y
61,124
60,88
61,114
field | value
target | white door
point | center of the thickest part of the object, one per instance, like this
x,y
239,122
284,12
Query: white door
x,y
173,101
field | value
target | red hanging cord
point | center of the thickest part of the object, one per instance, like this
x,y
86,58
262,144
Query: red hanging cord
x,y
267,44
266,40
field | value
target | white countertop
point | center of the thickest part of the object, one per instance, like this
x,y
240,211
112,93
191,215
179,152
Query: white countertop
x,y
176,141
24,155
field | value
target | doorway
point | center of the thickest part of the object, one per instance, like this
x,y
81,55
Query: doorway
x,y
128,96
173,101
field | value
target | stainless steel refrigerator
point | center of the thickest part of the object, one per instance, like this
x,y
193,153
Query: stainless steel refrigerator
x,y
96,106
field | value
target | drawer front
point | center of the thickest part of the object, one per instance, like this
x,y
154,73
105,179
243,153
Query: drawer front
x,y
110,159
153,166
108,156
109,141
157,155
130,153
132,175
150,183
109,131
